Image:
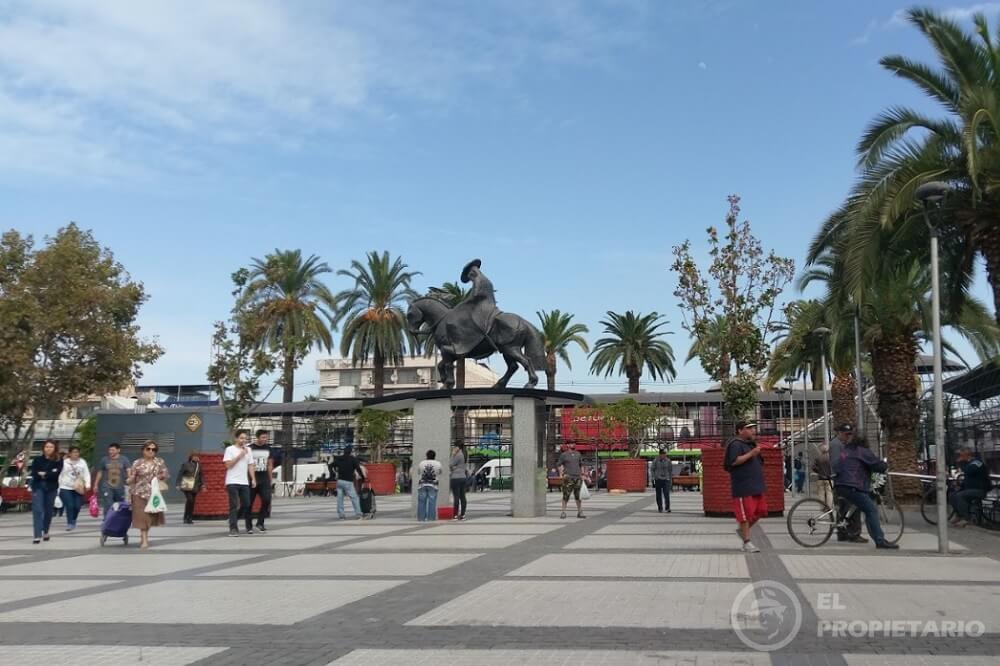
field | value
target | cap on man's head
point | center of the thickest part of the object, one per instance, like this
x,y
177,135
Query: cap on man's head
x,y
663,450
740,425
844,427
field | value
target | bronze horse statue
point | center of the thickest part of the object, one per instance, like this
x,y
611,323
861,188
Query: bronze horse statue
x,y
458,335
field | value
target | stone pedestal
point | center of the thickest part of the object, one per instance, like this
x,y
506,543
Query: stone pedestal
x,y
528,499
431,431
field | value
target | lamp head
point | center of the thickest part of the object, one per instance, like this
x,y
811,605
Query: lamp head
x,y
932,192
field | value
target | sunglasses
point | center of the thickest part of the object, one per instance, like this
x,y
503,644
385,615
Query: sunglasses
x,y
152,448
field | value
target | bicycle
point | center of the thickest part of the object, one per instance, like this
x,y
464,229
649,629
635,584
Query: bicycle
x,y
983,512
811,522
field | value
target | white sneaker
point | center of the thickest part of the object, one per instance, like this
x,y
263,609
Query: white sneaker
x,y
748,547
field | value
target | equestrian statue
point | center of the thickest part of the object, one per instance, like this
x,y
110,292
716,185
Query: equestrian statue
x,y
477,329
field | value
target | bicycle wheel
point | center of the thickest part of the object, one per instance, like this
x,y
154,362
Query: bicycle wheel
x,y
811,522
891,517
928,508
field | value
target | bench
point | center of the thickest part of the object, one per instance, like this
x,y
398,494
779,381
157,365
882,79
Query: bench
x,y
687,482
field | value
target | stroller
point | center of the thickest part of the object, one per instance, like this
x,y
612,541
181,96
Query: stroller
x,y
117,523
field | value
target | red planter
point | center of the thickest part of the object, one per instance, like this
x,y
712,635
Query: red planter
x,y
212,502
446,512
717,498
382,477
627,474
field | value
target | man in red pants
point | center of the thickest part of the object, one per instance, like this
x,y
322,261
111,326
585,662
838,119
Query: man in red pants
x,y
746,474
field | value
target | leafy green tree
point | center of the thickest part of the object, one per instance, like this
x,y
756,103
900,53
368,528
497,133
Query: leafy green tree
x,y
374,313
86,438
558,333
291,312
67,326
375,430
730,321
633,343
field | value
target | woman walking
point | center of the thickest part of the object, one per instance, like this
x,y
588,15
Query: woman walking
x,y
74,484
45,471
189,483
458,480
141,476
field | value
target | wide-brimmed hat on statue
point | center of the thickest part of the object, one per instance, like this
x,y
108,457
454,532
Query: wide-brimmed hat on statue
x,y
468,267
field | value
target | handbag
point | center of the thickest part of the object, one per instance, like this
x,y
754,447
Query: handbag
x,y
94,509
155,503
80,487
188,481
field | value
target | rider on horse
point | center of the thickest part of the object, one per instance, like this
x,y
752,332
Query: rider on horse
x,y
474,314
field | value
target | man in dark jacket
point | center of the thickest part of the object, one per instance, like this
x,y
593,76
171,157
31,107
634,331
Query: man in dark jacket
x,y
662,478
854,470
845,434
746,476
975,484
347,466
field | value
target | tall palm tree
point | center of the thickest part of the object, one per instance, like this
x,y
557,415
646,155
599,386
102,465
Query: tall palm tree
x,y
296,313
904,148
295,308
633,343
451,293
373,312
557,334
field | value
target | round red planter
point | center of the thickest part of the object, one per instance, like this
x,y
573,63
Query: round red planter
x,y
717,498
382,477
628,474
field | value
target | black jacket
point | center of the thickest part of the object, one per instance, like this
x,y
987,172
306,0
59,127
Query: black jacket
x,y
346,466
52,469
190,468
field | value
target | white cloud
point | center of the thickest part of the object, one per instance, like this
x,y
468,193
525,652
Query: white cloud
x,y
899,19
118,88
966,13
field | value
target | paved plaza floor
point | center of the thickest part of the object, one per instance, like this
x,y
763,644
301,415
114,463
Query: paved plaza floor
x,y
625,586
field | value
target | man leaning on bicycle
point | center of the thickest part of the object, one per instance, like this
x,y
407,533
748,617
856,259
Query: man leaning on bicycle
x,y
853,470
975,485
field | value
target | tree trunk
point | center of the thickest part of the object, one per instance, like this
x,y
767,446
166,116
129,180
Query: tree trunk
x,y
550,370
460,373
988,241
287,395
378,374
843,390
633,373
893,360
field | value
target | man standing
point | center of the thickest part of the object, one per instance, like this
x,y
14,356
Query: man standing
x,y
347,466
110,477
854,472
852,533
239,480
263,468
975,484
824,474
662,478
569,470
746,475
428,473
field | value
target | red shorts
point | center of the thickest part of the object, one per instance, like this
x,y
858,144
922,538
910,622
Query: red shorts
x,y
750,509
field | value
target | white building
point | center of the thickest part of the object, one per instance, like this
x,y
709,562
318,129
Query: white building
x,y
338,378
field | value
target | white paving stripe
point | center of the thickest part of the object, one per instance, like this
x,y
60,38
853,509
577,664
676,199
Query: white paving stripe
x,y
150,564
31,588
350,564
206,602
440,542
518,603
502,657
659,542
877,567
571,565
106,655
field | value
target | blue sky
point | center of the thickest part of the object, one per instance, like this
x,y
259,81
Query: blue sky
x,y
568,144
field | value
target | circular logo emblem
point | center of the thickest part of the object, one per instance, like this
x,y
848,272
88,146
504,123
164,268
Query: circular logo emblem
x,y
193,422
766,615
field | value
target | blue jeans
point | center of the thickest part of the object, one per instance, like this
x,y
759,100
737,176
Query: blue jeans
x,y
71,502
427,497
109,496
962,501
43,503
347,487
865,504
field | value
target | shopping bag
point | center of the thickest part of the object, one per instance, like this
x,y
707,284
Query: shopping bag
x,y
584,492
58,503
95,510
155,503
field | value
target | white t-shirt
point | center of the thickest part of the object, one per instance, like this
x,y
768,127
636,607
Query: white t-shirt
x,y
237,474
428,473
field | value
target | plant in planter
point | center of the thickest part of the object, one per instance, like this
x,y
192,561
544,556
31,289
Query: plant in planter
x,y
635,419
374,427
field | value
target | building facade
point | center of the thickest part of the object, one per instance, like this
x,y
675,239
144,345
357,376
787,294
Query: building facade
x,y
339,378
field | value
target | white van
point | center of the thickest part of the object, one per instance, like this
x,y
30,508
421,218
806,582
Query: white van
x,y
302,472
496,468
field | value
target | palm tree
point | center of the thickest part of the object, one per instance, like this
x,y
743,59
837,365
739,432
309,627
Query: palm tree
x,y
451,293
633,343
373,311
903,148
295,311
557,335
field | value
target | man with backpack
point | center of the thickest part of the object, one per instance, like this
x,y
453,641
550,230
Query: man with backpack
x,y
746,475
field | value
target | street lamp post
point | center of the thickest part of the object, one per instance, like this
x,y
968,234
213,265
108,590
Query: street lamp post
x,y
858,375
805,413
929,194
822,332
790,380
